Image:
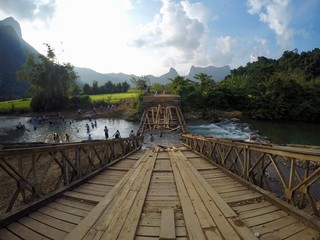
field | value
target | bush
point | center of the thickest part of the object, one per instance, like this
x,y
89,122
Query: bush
x,y
79,101
43,103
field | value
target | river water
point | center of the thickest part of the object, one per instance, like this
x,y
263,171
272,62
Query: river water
x,y
271,131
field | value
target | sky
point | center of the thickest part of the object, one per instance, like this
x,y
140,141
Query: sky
x,y
145,37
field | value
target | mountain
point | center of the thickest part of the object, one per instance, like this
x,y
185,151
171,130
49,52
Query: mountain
x,y
164,79
217,73
13,54
14,51
87,75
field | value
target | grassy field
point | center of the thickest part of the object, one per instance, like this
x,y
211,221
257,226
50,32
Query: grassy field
x,y
16,104
114,97
110,98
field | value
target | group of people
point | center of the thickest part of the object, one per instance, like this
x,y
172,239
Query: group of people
x,y
60,137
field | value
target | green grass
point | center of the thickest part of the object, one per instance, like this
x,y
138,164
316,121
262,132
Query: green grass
x,y
16,104
114,97
111,98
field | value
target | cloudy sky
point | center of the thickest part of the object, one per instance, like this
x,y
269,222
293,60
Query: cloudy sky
x,y
150,36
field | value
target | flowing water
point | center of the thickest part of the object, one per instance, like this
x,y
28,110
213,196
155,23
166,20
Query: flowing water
x,y
279,132
272,131
76,129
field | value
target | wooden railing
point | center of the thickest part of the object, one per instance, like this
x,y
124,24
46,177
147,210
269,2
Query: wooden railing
x,y
292,173
30,173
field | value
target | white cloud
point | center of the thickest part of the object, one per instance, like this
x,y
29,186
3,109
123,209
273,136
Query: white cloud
x,y
225,44
176,34
277,14
29,9
256,5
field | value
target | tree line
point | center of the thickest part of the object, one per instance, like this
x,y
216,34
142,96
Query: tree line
x,y
286,88
108,87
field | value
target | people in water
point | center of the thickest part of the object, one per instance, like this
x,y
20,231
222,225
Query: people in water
x,y
117,134
106,132
131,135
67,137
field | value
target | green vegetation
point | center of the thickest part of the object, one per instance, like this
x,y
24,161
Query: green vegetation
x,y
15,104
114,97
51,83
287,88
83,100
108,87
141,83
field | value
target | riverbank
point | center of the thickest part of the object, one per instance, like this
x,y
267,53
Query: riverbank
x,y
221,124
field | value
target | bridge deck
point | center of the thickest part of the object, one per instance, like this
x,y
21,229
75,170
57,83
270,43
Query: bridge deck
x,y
161,194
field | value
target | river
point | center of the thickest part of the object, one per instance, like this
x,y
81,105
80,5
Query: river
x,y
273,131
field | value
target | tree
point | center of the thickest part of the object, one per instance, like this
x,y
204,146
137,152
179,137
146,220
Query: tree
x,y
86,89
206,83
141,83
51,82
95,87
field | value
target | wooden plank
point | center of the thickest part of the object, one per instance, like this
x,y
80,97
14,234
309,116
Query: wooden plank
x,y
307,233
146,238
287,231
111,172
193,225
221,180
117,219
60,215
125,163
161,174
242,229
274,225
199,206
162,186
212,173
42,229
101,182
259,211
233,188
235,193
119,169
80,231
162,198
132,218
148,231
227,211
146,221
217,214
83,196
162,192
24,232
167,227
54,222
75,204
5,234
263,219
107,178
68,209
251,206
244,197
89,191
96,187
214,184
162,203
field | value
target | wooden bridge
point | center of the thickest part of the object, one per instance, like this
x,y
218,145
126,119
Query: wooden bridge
x,y
198,188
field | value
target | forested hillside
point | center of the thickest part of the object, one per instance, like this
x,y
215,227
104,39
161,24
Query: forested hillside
x,y
287,88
